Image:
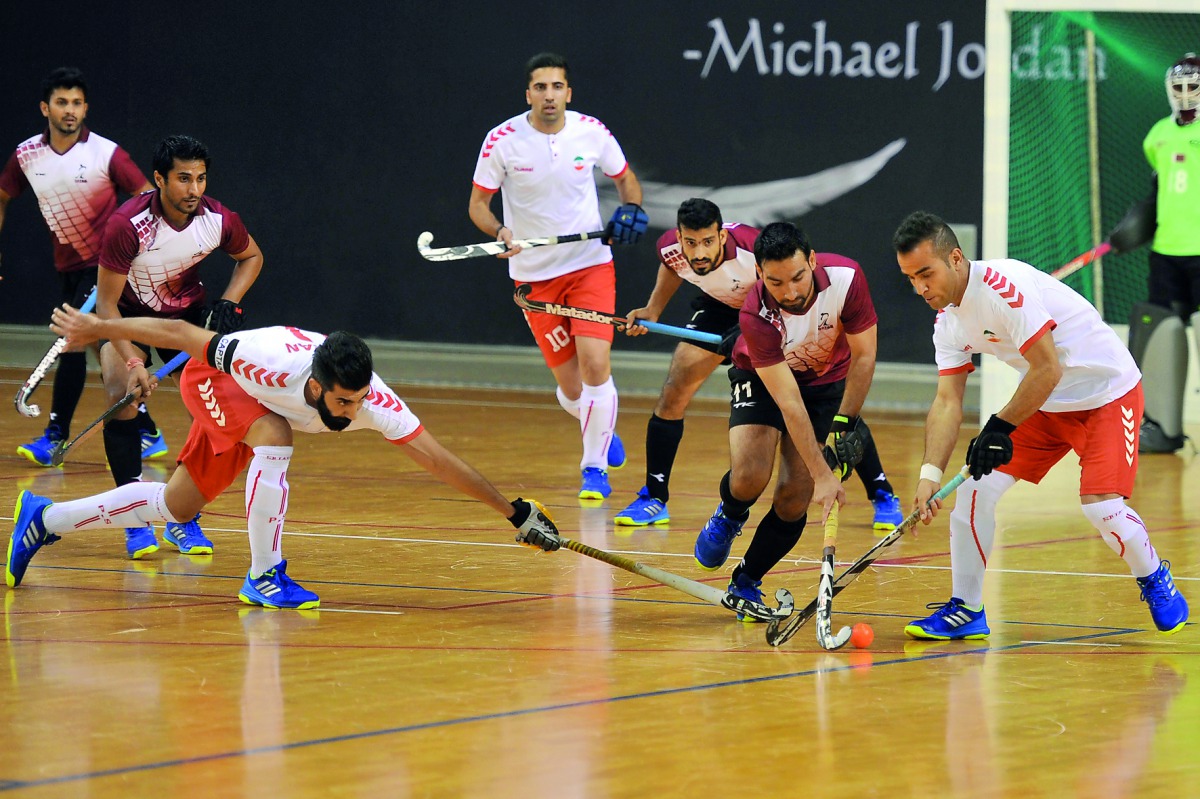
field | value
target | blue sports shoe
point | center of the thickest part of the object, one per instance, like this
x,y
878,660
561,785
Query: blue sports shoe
x,y
274,589
888,513
952,621
140,541
716,539
1168,608
595,484
41,448
153,444
616,452
28,536
188,538
745,588
643,511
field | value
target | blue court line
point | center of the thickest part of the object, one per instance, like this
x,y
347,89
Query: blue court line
x,y
8,785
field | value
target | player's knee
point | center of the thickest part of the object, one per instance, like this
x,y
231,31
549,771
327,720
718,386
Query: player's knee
x,y
978,497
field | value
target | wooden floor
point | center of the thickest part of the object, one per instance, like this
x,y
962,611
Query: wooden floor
x,y
447,661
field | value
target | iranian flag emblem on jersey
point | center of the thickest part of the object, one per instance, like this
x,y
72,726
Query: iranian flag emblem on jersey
x,y
579,163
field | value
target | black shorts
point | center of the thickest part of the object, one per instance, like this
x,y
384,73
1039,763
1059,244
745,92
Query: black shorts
x,y
1175,283
75,286
751,403
711,316
195,315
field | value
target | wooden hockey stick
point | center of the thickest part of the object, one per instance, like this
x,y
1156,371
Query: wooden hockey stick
x,y
21,401
493,247
521,298
777,634
706,593
60,451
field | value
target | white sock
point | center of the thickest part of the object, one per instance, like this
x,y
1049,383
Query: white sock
x,y
135,504
597,420
266,505
569,405
1125,534
972,533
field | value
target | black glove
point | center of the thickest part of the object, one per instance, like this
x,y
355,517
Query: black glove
x,y
534,526
627,225
849,436
729,341
225,316
991,448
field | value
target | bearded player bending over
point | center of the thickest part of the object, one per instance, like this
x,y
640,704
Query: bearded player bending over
x,y
247,392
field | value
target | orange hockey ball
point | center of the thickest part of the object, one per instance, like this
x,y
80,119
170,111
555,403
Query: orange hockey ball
x,y
861,636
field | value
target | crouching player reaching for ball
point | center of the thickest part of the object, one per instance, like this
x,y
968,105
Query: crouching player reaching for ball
x,y
247,392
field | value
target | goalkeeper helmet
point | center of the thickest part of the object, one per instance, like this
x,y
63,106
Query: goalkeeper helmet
x,y
1183,88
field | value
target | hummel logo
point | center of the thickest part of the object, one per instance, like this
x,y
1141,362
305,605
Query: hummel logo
x,y
208,395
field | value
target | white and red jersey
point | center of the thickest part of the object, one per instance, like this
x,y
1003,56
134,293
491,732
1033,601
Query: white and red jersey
x,y
273,364
1007,306
813,344
550,189
728,283
162,263
76,190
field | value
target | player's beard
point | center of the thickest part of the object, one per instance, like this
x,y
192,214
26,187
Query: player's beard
x,y
334,423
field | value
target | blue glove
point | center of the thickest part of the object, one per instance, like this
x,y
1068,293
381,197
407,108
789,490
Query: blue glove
x,y
627,225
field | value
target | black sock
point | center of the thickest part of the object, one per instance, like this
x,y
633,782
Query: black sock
x,y
870,471
123,446
734,508
145,423
69,379
662,442
771,543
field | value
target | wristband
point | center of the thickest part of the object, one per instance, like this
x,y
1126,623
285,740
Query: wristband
x,y
498,231
134,363
931,472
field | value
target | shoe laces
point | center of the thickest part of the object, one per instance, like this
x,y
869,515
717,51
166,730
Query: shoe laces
x,y
721,528
747,588
1157,587
941,609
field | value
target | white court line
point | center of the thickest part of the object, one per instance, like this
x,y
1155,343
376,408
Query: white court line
x,y
638,553
1068,643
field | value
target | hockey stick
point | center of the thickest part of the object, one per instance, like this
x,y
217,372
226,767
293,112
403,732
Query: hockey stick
x,y
1135,229
493,247
707,593
825,636
521,298
777,635
39,372
61,449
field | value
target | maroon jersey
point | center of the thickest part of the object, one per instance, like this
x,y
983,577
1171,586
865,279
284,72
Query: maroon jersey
x,y
162,263
729,282
76,190
813,344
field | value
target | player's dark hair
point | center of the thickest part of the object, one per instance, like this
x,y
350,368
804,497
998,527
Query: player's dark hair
x,y
779,241
698,214
63,78
343,359
922,226
182,148
545,61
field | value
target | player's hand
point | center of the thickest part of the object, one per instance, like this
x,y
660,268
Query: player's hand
x,y
728,341
848,438
627,225
645,314
534,526
505,235
225,316
992,448
924,501
76,327
827,489
141,382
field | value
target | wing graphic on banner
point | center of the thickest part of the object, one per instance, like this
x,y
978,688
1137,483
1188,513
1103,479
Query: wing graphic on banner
x,y
758,204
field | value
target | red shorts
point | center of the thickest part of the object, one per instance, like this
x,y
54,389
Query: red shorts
x,y
594,288
222,413
1105,438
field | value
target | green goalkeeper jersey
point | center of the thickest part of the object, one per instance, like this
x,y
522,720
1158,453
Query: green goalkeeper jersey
x,y
1174,152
